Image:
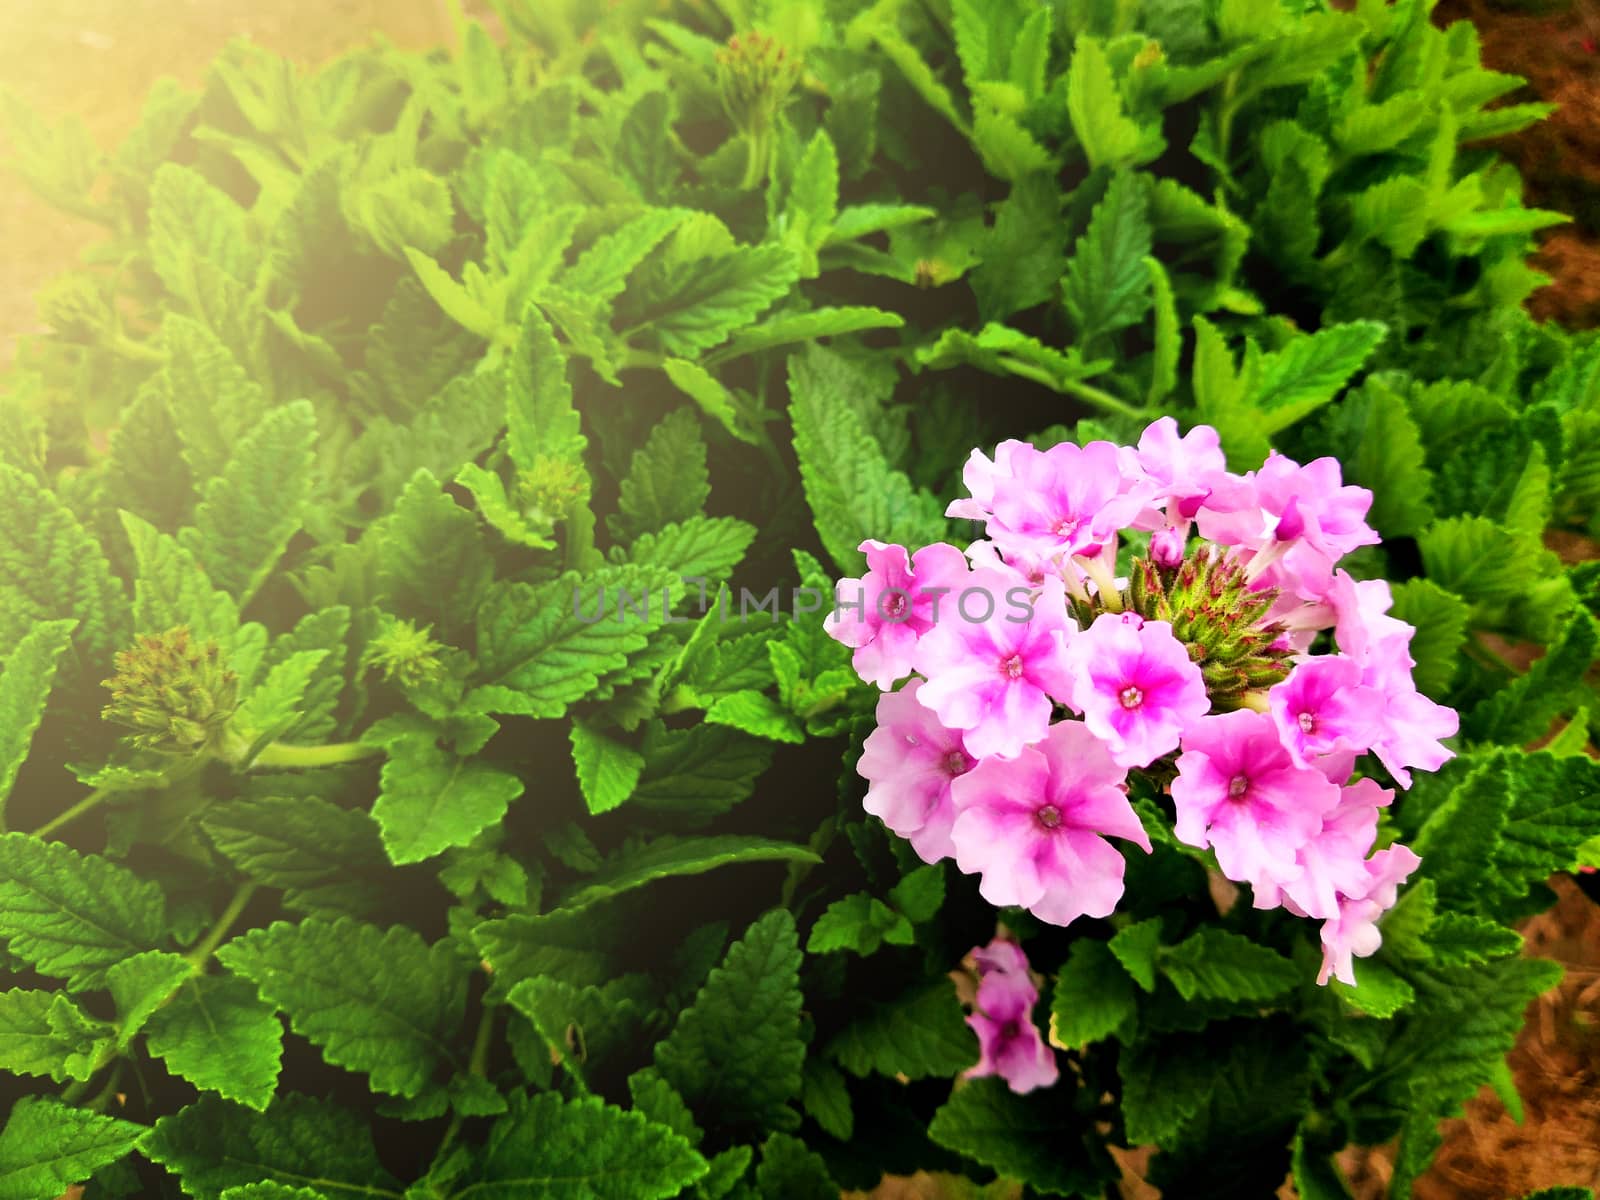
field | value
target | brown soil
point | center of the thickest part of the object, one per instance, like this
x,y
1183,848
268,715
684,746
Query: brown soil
x,y
1556,48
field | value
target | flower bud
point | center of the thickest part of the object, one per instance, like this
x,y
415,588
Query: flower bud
x,y
175,693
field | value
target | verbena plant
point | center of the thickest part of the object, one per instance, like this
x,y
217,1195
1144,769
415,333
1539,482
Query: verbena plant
x,y
385,870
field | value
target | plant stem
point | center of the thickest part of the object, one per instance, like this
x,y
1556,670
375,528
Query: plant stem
x,y
92,800
281,754
1101,399
103,1096
478,1065
201,954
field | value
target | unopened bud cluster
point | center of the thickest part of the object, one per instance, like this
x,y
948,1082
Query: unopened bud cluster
x,y
175,693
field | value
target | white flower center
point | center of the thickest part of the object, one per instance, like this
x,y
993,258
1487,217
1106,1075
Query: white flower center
x,y
1131,697
1049,816
1238,786
1011,667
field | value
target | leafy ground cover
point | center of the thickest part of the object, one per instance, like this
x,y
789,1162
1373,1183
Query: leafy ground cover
x,y
379,868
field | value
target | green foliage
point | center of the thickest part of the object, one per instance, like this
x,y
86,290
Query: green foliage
x,y
488,410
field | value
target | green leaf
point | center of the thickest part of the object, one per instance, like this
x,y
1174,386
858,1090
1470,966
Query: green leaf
x,y
142,984
853,492
659,1101
1136,948
1168,334
212,1146
377,1001
220,1036
923,1033
46,1147
602,270
1094,997
1379,991
432,563
826,1099
702,549
813,202
1024,254
52,569
1479,560
172,588
1310,370
25,681
548,1148
74,915
278,703
790,1171
715,399
1385,456
542,648
1440,619
608,771
705,769
920,894
213,400
248,513
860,923
1214,964
736,1053
720,296
1020,1137
758,714
1523,709
666,481
431,798
787,329
308,846
1109,137
1106,286
666,857
45,1033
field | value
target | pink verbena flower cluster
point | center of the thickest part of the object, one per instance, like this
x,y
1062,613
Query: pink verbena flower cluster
x,y
1038,680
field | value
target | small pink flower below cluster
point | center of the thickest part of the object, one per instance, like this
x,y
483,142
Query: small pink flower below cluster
x,y
1032,691
1009,1043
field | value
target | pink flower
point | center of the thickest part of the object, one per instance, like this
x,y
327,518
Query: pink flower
x,y
1035,826
979,475
1136,686
1009,1042
1240,793
993,669
1413,727
1180,471
1354,932
1325,716
1297,520
1059,502
1334,862
1360,619
1002,956
885,612
910,760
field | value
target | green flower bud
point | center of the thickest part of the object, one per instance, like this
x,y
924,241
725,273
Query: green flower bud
x,y
176,694
405,654
551,489
755,75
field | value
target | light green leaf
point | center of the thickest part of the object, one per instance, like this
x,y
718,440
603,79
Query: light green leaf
x,y
1094,997
922,1033
46,1147
25,681
608,770
217,1033
378,1001
74,915
248,513
673,856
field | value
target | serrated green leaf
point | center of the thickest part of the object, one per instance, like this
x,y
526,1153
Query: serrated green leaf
x,y
666,481
549,1148
212,1145
74,915
860,923
1136,948
217,1033
248,512
46,1147
607,769
735,1053
1106,283
1109,137
672,856
377,1001
45,1033
1214,964
432,563
431,798
923,1033
1020,1137
853,492
1094,997
26,678
1440,619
